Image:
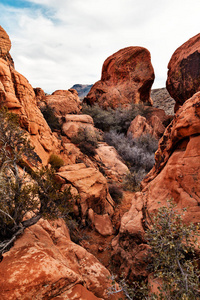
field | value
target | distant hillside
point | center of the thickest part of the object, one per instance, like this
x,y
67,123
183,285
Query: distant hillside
x,y
162,99
82,89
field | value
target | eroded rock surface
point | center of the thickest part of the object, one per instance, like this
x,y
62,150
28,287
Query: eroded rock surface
x,y
92,187
175,176
64,102
184,71
127,77
45,264
18,95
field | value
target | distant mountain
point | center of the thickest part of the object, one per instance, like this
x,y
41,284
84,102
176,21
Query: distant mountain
x,y
82,89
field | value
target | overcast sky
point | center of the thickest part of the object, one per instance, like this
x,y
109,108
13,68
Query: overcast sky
x,y
58,43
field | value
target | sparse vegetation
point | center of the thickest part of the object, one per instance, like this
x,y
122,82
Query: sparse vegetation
x,y
118,119
87,140
23,186
137,153
173,259
55,161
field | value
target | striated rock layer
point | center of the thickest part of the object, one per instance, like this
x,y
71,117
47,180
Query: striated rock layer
x,y
184,71
127,77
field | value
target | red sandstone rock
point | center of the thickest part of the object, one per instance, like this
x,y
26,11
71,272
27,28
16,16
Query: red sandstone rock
x,y
175,175
5,44
153,124
18,95
184,71
40,96
92,187
45,264
64,102
127,77
72,124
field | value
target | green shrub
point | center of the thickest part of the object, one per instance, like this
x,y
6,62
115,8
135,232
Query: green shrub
x,y
174,260
116,193
56,161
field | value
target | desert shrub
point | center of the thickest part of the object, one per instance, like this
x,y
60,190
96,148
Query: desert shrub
x,y
116,193
103,119
50,118
118,119
137,155
87,140
131,181
55,161
173,259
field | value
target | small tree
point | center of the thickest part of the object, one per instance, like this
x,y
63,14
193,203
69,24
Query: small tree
x,y
173,252
23,187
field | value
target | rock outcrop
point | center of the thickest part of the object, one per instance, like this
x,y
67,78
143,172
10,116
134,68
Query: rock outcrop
x,y
127,77
45,264
92,188
153,123
184,71
72,124
19,97
64,102
175,176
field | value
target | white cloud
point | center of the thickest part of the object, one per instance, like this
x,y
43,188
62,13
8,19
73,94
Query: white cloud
x,y
58,43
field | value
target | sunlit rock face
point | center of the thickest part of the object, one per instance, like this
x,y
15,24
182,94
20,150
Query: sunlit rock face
x,y
127,77
18,96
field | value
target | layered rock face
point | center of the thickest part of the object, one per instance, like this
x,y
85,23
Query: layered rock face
x,y
18,95
127,77
175,176
184,71
46,264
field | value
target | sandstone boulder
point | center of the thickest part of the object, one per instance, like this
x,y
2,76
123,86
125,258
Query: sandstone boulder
x,y
64,102
184,71
153,123
45,264
5,46
127,77
72,124
92,187
111,161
